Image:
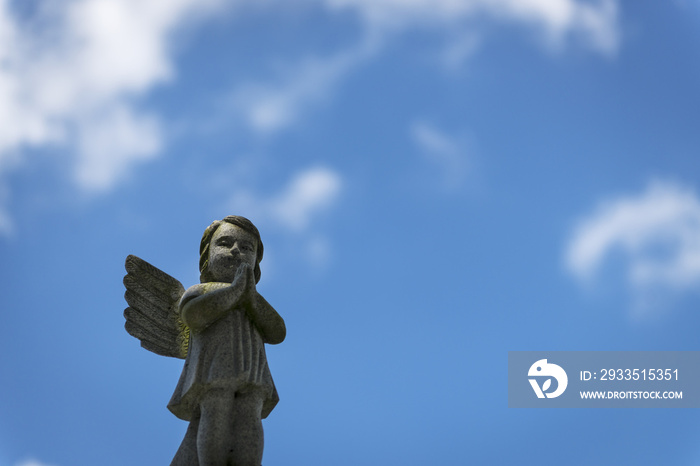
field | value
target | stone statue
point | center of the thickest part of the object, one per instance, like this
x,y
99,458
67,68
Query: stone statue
x,y
219,327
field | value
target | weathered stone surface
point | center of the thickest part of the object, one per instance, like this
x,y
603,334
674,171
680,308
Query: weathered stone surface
x,y
220,327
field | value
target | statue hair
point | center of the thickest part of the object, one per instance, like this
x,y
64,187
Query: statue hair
x,y
242,222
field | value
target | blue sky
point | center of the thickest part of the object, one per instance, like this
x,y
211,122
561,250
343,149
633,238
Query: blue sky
x,y
436,183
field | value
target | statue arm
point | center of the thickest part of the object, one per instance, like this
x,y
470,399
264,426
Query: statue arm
x,y
204,304
268,322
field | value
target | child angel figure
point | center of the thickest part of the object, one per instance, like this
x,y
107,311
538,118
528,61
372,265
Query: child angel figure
x,y
219,327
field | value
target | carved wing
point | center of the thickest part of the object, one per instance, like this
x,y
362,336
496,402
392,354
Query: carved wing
x,y
152,315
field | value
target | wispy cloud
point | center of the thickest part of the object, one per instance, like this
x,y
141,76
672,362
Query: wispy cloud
x,y
31,462
446,152
309,193
557,20
296,208
460,47
659,233
7,226
281,102
274,106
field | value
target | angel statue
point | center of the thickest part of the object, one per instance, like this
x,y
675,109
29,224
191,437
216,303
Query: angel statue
x,y
219,327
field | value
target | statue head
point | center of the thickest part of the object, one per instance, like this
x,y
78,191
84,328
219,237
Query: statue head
x,y
241,227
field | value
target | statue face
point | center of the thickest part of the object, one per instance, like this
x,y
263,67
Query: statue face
x,y
230,247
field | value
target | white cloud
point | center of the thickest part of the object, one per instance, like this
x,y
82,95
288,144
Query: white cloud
x,y
109,143
308,194
659,233
71,76
296,209
446,152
